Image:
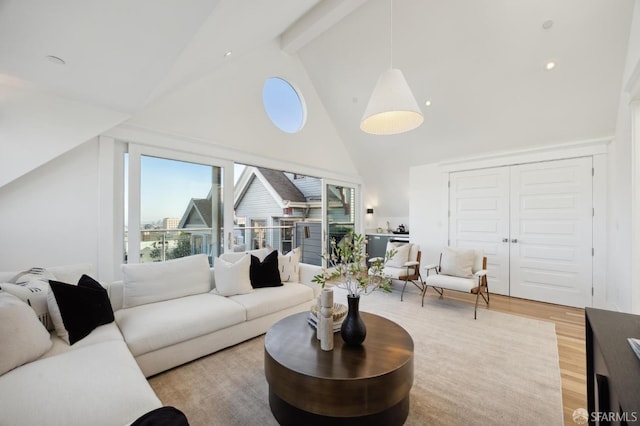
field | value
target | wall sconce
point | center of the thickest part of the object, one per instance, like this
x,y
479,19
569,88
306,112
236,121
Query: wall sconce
x,y
369,211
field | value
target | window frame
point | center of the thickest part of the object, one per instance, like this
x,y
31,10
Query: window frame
x,y
357,213
136,151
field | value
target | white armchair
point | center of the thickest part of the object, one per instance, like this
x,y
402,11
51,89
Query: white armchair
x,y
459,270
404,265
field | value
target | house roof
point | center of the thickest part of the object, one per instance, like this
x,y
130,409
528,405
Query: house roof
x,y
277,183
202,208
282,185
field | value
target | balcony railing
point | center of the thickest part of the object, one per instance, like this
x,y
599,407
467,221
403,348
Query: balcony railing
x,y
160,244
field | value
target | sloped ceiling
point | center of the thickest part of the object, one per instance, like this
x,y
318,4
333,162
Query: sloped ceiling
x,y
480,62
116,52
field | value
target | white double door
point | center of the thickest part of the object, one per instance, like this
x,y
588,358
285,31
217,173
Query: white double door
x,y
534,223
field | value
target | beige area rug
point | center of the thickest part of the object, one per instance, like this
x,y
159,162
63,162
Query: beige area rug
x,y
497,370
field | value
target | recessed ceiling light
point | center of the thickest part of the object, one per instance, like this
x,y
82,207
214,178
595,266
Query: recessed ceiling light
x,y
547,24
55,60
427,102
227,54
550,65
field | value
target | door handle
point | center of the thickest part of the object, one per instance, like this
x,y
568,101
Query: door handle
x,y
505,240
515,240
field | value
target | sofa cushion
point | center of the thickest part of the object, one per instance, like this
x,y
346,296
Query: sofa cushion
x,y
264,301
232,277
289,265
451,282
393,272
265,273
76,310
457,262
71,273
400,257
233,257
103,333
23,337
98,385
157,281
158,325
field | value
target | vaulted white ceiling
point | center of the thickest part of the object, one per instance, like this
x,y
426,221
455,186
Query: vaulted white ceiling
x,y
479,62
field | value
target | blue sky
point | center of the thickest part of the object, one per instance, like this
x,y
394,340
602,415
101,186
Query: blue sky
x,y
283,105
168,185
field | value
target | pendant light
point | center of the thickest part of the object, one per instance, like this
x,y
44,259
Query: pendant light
x,y
392,108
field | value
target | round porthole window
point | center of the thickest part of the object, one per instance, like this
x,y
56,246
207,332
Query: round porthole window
x,y
284,105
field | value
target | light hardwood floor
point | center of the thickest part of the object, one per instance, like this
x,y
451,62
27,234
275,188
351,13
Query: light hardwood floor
x,y
570,331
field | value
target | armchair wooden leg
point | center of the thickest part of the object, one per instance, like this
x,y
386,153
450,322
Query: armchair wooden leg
x,y
486,299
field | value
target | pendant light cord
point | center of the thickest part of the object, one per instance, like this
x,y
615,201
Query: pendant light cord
x,y
391,36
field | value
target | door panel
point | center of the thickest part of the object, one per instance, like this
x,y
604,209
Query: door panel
x,y
479,218
551,227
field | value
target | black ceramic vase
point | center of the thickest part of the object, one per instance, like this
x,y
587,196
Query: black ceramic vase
x,y
353,330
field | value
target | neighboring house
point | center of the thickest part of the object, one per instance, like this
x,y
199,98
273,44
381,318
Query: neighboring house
x,y
269,202
197,221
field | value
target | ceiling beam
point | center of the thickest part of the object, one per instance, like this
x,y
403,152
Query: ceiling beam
x,y
323,16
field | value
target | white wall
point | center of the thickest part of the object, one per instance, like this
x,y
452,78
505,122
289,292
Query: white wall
x,y
428,206
50,215
618,289
225,109
622,273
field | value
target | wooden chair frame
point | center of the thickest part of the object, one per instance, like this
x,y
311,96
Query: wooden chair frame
x,y
413,276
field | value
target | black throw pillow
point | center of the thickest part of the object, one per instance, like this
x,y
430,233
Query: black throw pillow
x,y
265,273
83,307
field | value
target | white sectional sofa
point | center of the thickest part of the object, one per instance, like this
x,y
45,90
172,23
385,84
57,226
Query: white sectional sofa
x,y
167,333
161,321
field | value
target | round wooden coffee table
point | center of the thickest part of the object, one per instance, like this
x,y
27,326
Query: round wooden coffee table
x,y
368,384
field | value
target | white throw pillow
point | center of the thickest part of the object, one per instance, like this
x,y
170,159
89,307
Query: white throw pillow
x,y
71,273
23,337
33,274
457,262
233,257
34,293
288,265
232,278
154,282
401,257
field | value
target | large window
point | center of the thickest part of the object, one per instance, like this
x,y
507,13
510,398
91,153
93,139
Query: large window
x,y
178,210
176,205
